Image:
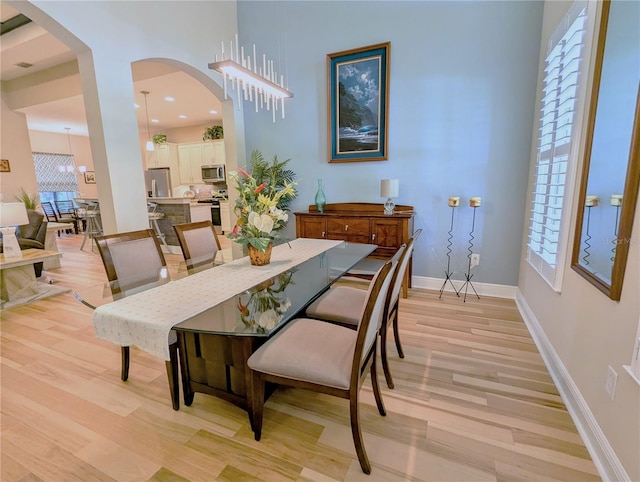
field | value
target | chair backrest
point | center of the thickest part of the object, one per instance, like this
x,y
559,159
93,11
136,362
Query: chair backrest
x,y
198,241
49,211
371,318
66,207
398,275
132,258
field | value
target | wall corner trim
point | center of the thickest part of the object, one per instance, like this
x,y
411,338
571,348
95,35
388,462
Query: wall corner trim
x,y
603,455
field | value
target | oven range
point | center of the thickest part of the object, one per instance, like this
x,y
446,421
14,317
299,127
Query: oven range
x,y
215,209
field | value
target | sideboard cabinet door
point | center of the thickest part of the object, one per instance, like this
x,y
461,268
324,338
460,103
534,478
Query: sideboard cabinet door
x,y
311,227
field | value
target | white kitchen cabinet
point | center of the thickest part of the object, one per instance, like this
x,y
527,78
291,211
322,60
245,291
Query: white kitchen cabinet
x,y
200,212
225,217
190,160
213,152
164,155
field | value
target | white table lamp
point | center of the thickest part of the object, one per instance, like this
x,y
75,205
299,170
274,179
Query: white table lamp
x,y
12,215
389,188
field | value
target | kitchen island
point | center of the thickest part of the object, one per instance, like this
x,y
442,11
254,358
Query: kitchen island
x,y
178,210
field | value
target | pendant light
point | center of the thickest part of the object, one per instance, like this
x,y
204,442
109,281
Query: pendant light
x,y
71,167
150,146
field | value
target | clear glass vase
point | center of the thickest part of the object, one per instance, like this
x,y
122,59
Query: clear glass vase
x,y
321,200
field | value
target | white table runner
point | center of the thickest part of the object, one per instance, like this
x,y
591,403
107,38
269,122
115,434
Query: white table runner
x,y
146,319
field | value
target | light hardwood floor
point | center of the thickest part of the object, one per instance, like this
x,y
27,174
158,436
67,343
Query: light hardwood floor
x,y
473,402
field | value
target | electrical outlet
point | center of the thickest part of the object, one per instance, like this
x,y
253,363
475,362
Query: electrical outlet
x,y
475,259
612,379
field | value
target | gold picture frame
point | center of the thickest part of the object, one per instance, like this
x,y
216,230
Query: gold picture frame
x,y
4,165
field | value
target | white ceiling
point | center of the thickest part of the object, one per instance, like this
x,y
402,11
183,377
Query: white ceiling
x,y
32,44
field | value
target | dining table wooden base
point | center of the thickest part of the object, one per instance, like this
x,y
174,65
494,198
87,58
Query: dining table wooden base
x,y
217,365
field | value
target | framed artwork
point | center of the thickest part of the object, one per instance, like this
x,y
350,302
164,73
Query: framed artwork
x,y
90,177
4,165
358,102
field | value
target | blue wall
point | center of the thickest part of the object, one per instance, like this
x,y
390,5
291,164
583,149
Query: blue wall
x,y
461,113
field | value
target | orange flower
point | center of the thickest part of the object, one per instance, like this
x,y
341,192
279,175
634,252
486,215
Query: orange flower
x,y
243,172
260,188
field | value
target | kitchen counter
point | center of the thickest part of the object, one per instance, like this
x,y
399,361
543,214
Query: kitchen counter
x,y
170,200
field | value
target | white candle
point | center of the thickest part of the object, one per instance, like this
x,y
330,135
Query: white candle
x,y
592,201
454,201
616,199
475,202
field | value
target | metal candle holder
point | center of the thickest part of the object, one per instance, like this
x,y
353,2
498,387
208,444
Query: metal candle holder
x,y
474,202
454,202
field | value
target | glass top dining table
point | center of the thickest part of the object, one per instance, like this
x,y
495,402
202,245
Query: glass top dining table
x,y
229,308
256,311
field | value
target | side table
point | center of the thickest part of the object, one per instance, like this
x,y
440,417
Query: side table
x,y
17,277
50,243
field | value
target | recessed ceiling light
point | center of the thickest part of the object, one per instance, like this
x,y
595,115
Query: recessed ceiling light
x,y
213,111
155,121
169,98
137,106
182,116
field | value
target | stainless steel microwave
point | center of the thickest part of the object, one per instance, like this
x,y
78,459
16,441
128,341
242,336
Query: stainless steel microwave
x,y
213,173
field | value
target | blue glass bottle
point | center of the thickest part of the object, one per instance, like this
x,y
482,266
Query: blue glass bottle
x,y
321,200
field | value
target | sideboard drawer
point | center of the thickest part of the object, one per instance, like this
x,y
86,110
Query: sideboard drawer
x,y
348,226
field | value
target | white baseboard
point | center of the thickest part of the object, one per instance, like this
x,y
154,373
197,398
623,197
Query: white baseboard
x,y
483,289
603,455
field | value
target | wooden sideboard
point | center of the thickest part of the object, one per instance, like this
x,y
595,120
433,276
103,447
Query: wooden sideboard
x,y
361,223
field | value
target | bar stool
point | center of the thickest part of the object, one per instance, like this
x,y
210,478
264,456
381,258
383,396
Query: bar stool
x,y
153,221
89,212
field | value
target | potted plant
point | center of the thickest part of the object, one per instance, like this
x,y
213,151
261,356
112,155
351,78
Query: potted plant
x,y
30,200
214,132
159,138
264,196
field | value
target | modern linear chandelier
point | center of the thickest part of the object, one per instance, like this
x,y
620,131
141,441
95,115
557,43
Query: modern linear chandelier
x,y
257,84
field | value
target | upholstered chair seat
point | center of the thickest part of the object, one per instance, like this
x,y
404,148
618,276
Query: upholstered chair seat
x,y
344,305
326,358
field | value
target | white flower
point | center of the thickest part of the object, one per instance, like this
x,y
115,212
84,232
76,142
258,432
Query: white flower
x,y
269,319
286,304
263,222
279,213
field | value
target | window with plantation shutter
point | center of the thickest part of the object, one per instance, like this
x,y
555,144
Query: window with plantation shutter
x,y
559,95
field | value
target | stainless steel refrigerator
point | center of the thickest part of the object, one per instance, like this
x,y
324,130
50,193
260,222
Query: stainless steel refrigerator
x,y
158,182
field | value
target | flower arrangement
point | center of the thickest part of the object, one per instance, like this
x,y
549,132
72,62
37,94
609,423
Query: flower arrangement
x,y
266,304
264,195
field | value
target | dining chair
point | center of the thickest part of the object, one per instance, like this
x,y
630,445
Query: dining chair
x,y
325,358
343,304
199,243
67,211
134,259
366,268
53,217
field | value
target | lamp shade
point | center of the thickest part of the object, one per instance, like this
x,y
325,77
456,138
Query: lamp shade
x,y
13,214
389,188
